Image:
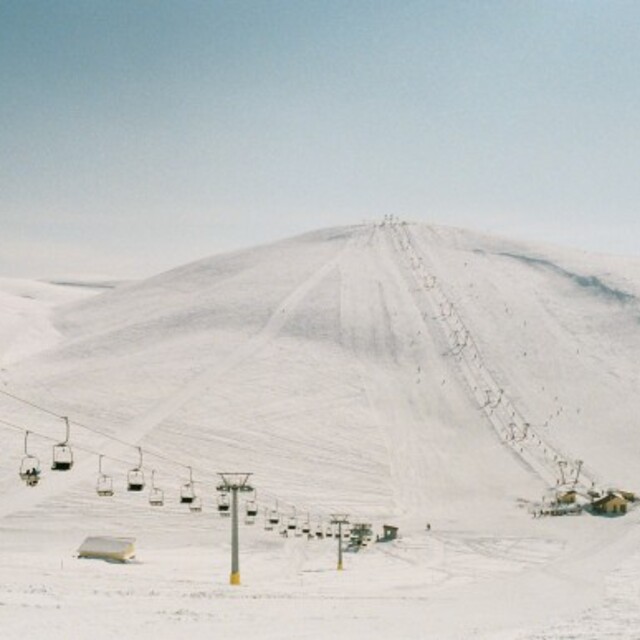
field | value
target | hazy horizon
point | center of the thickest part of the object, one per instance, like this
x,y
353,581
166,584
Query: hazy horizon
x,y
140,136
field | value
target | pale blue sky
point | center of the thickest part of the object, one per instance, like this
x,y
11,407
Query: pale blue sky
x,y
140,134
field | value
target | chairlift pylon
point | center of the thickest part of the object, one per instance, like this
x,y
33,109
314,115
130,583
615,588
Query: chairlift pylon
x,y
30,465
104,484
135,477
62,458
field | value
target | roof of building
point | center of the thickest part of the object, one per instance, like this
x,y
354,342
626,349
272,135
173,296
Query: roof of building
x,y
608,498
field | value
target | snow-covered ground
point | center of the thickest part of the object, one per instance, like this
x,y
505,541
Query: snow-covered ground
x,y
401,373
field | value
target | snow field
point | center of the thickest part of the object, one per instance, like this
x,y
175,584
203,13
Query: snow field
x,y
323,364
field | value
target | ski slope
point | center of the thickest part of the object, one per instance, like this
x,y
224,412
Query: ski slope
x,y
400,373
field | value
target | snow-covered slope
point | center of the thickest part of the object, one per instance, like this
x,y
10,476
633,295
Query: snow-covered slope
x,y
396,371
26,325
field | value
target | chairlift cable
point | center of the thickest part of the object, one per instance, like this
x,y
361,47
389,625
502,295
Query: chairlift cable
x,y
145,450
93,429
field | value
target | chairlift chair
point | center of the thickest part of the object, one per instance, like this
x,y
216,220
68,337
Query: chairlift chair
x,y
187,492
196,505
223,504
292,522
62,459
328,532
135,477
319,532
267,523
156,496
30,466
252,507
30,471
274,516
104,485
251,510
306,526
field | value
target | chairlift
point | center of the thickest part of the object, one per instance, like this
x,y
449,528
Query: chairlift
x,y
196,505
328,532
62,453
292,522
306,526
104,485
156,496
187,492
135,477
319,532
274,516
268,526
251,509
30,466
223,504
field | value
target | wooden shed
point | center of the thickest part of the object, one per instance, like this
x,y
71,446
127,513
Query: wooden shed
x,y
389,533
611,504
567,497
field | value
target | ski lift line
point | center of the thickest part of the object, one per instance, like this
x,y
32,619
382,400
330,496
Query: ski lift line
x,y
91,429
145,450
31,404
502,403
8,425
96,431
62,417
269,496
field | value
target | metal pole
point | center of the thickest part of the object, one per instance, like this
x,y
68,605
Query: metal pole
x,y
235,556
339,519
233,483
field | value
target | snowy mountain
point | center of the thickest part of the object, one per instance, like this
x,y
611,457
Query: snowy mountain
x,y
397,372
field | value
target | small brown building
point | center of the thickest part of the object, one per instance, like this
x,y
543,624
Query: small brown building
x,y
611,504
389,533
567,497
